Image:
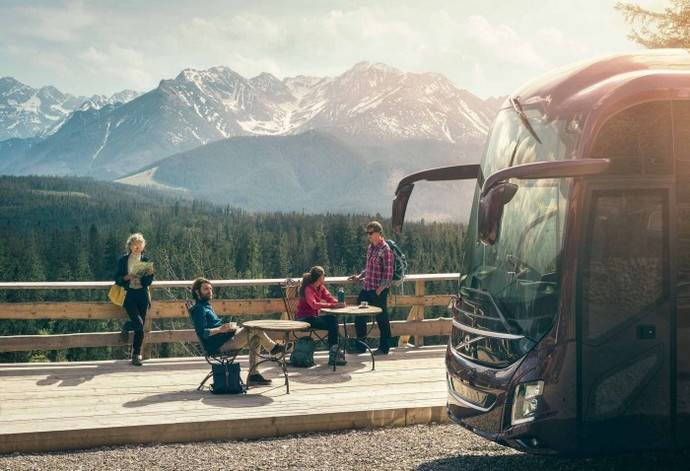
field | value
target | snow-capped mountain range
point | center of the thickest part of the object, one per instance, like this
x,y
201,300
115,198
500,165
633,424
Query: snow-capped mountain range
x,y
368,103
370,99
34,112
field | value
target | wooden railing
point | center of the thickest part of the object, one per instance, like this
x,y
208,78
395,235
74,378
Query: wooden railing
x,y
414,326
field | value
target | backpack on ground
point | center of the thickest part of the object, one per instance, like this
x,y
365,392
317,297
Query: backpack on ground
x,y
399,262
226,379
302,355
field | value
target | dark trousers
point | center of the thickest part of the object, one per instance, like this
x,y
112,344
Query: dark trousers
x,y
329,323
382,319
136,304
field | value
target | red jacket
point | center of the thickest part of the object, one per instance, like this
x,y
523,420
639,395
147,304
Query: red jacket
x,y
313,300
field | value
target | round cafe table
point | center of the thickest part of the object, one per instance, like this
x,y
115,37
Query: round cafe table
x,y
353,311
283,326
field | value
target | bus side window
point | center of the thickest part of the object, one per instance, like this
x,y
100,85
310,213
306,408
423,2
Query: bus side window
x,y
624,272
638,140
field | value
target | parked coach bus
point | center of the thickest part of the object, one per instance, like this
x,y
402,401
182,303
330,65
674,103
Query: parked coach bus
x,y
571,328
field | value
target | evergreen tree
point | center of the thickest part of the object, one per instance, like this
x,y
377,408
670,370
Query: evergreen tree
x,y
51,236
283,256
659,29
319,252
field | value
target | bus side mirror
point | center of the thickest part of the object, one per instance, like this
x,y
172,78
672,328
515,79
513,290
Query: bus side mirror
x,y
491,211
402,196
406,185
497,192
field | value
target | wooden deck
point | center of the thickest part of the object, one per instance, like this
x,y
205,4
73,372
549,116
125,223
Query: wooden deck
x,y
59,406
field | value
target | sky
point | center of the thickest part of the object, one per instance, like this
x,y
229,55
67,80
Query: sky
x,y
488,47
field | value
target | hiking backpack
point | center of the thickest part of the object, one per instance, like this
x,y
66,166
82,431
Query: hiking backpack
x,y
226,379
399,262
303,354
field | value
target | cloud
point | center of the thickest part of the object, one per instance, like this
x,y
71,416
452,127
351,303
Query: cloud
x,y
502,41
560,44
486,47
305,44
59,23
55,61
126,64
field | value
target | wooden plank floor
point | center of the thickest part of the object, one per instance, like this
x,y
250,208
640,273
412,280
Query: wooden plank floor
x,y
60,406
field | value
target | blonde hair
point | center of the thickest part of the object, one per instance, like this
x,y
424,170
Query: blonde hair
x,y
136,237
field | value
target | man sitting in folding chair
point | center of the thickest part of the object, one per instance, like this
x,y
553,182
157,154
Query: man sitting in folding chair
x,y
218,337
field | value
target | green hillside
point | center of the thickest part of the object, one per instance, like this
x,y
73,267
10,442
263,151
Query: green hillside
x,y
66,229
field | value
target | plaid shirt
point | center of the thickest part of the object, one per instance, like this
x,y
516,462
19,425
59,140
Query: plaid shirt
x,y
379,269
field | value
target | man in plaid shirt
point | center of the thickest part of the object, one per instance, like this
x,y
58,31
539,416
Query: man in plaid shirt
x,y
377,277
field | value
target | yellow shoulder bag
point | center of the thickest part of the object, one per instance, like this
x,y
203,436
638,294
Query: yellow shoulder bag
x,y
117,295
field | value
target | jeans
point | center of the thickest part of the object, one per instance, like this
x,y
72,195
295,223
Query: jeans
x,y
136,304
382,319
329,323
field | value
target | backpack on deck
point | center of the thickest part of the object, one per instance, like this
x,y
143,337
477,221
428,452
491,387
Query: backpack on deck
x,y
302,355
399,262
226,379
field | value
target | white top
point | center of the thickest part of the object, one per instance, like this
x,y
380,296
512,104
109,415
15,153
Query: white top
x,y
134,281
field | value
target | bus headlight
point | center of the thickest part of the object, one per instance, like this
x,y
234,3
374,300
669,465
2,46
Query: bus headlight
x,y
526,402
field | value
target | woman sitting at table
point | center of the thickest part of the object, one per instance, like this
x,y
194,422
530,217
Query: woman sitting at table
x,y
313,296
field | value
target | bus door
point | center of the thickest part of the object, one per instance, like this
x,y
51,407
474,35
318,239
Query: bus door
x,y
625,315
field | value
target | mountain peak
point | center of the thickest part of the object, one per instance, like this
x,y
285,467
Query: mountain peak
x,y
12,85
29,112
9,81
215,70
265,81
187,75
265,76
380,67
269,84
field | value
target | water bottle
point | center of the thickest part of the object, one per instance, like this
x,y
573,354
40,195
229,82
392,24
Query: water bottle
x,y
341,295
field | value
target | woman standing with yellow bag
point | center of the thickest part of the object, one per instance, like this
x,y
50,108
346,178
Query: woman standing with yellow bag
x,y
135,274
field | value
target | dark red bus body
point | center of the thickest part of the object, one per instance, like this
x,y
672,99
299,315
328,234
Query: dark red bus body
x,y
613,380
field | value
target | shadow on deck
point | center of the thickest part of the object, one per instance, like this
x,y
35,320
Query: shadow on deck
x,y
45,407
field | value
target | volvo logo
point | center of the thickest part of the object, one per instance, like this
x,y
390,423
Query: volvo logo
x,y
466,343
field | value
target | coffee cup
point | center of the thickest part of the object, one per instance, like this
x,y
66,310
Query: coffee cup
x,y
364,304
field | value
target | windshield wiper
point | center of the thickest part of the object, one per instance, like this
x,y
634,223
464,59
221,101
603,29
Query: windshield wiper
x,y
523,117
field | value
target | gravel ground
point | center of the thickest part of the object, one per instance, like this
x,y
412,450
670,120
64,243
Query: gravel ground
x,y
435,447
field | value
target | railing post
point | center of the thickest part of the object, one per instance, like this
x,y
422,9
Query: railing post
x,y
419,291
416,313
147,348
404,340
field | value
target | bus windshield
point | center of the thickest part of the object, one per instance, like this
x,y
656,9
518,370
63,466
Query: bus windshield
x,y
514,284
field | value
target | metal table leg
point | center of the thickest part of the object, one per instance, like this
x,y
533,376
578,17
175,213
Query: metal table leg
x,y
283,363
363,343
279,359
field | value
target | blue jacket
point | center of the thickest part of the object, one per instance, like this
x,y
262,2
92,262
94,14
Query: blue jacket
x,y
205,318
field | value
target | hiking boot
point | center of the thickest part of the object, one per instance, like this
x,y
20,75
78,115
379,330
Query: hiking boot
x,y
136,360
356,347
336,357
257,380
279,349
